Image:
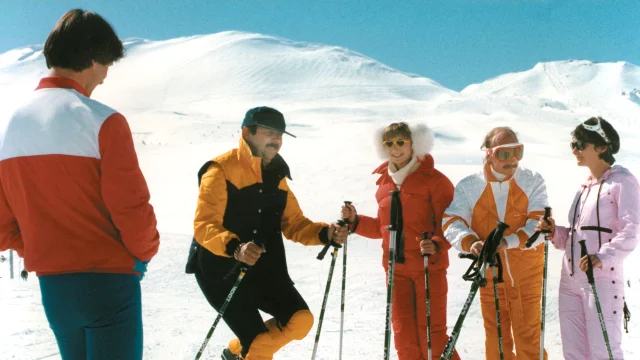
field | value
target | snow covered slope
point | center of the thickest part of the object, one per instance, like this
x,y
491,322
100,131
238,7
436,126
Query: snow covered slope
x,y
185,99
573,84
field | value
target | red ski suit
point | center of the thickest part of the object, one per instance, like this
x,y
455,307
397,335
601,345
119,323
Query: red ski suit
x,y
425,193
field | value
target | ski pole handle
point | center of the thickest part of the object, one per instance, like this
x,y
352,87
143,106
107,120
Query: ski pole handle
x,y
534,237
547,215
491,245
346,220
583,253
426,236
325,249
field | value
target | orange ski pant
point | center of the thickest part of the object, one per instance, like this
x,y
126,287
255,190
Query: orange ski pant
x,y
520,310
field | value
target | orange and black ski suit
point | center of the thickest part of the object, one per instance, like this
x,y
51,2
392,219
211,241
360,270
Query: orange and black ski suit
x,y
239,201
481,200
425,193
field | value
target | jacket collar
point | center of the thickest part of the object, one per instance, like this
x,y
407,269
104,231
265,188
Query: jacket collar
x,y
607,174
58,82
489,177
426,165
255,162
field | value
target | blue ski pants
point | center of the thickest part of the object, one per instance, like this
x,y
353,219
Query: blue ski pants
x,y
94,316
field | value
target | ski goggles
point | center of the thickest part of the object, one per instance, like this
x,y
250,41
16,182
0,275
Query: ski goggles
x,y
507,151
578,145
400,143
596,128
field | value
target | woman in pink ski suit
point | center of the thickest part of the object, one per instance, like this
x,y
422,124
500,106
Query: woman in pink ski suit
x,y
605,213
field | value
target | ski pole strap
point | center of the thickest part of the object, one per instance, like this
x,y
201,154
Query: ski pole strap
x,y
534,237
627,317
326,248
467,256
473,271
331,243
498,263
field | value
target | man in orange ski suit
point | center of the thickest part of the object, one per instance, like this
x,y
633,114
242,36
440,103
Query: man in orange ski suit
x,y
517,196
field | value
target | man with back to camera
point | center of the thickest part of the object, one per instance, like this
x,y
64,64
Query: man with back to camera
x,y
73,200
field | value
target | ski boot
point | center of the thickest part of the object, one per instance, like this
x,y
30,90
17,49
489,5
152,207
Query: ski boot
x,y
228,355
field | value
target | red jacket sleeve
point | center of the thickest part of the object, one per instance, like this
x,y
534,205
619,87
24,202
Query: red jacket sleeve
x,y
124,189
10,236
368,227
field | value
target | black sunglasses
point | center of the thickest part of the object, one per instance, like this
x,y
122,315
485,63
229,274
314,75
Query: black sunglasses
x,y
578,145
400,143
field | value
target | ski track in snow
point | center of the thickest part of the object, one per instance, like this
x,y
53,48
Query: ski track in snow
x,y
333,99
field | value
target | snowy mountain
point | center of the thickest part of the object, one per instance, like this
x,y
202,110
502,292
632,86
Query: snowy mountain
x,y
185,99
571,85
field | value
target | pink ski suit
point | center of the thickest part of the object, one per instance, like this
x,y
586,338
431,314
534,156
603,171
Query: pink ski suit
x,y
607,215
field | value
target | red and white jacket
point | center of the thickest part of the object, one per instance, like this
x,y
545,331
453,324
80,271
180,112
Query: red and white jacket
x,y
72,196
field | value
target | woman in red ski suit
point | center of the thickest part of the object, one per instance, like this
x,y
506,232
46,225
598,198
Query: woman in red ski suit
x,y
424,193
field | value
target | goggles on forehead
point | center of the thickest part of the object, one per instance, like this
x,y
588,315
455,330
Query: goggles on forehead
x,y
507,151
597,128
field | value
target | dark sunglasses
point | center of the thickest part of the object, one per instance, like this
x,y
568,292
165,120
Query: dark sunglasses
x,y
578,145
400,143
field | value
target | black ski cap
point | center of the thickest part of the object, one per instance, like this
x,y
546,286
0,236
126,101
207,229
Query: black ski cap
x,y
267,118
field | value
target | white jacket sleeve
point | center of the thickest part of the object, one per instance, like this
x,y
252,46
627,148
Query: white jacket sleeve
x,y
456,220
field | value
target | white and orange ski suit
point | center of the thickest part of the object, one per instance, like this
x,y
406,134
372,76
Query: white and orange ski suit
x,y
480,200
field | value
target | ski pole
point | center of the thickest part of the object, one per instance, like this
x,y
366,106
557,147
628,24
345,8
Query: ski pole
x,y
344,284
425,257
477,276
243,271
491,258
547,214
320,256
393,229
497,301
11,264
583,253
457,328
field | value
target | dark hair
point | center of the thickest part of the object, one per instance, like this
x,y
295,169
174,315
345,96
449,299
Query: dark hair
x,y
592,137
489,139
79,38
253,129
394,130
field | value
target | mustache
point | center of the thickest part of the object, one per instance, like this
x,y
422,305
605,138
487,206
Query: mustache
x,y
510,166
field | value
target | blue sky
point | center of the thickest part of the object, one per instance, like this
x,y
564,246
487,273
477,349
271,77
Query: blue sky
x,y
455,42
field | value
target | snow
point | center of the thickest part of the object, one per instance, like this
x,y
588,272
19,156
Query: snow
x,y
185,99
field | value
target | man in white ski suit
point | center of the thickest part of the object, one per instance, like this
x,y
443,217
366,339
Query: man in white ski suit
x,y
516,196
